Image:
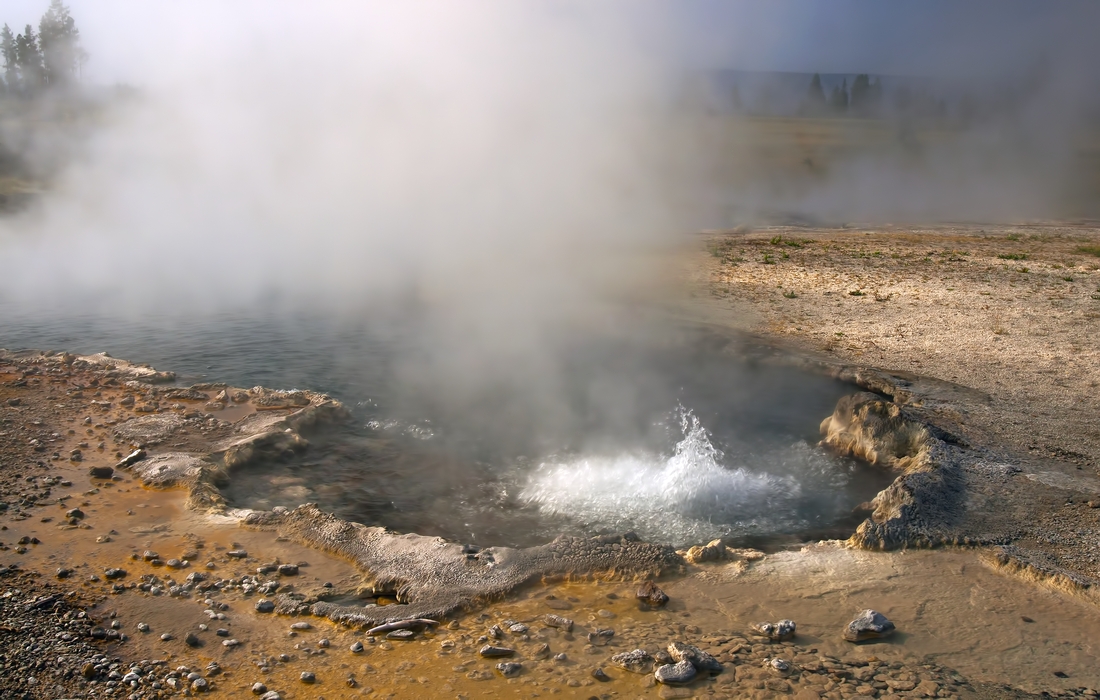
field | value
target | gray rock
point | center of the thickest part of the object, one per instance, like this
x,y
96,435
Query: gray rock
x,y
650,594
301,626
271,695
558,621
776,631
192,640
780,666
231,643
490,652
264,605
671,674
600,637
637,661
599,675
259,688
357,648
701,660
308,677
868,625
402,635
288,569
508,669
114,573
200,685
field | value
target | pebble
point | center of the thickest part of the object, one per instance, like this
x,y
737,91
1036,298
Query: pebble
x,y
259,688
308,677
508,669
650,594
142,627
114,573
164,637
558,621
637,661
222,632
271,695
192,640
599,675
231,643
357,647
868,625
200,685
288,569
301,626
489,651
264,605
681,672
401,635
699,659
236,554
778,632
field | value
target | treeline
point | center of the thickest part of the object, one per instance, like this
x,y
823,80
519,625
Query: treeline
x,y
864,99
50,58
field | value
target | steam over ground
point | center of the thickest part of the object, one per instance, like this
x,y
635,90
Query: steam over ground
x,y
496,169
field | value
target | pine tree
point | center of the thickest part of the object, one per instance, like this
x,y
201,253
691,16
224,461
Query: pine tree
x,y
839,99
28,58
59,40
11,62
815,97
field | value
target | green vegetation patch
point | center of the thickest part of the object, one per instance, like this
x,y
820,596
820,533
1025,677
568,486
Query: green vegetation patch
x,y
1013,256
1089,250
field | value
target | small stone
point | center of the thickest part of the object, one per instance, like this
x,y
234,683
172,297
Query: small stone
x,y
236,553
323,643
781,666
650,594
518,628
164,637
561,657
88,671
508,669
231,643
599,675
401,635
777,632
259,688
114,573
681,672
174,564
558,621
490,652
222,632
74,513
600,637
308,677
200,685
142,627
192,640
64,573
637,661
288,569
868,625
264,605
271,695
301,626
699,659
357,647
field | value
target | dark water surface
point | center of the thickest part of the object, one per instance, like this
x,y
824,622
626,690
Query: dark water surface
x,y
637,424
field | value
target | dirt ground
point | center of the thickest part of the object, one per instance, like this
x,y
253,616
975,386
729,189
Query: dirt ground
x,y
1012,311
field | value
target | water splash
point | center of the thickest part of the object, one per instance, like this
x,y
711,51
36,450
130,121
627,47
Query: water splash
x,y
685,497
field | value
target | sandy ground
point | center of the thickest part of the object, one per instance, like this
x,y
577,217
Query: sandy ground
x,y
1013,311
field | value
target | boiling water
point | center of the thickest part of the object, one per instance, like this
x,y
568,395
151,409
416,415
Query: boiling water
x,y
648,426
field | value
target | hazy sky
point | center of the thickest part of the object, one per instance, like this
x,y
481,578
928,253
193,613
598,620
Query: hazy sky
x,y
905,37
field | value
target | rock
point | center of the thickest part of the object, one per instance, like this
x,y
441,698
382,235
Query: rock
x,y
308,677
777,632
271,695
599,675
236,554
114,573
259,688
713,551
357,648
74,513
231,643
542,651
868,625
76,456
681,672
130,459
288,569
101,472
780,666
508,669
600,637
192,640
649,594
637,661
491,652
402,635
174,564
64,573
222,632
323,643
264,605
558,621
301,626
200,685
149,555
88,671
699,659
518,628
561,657
165,637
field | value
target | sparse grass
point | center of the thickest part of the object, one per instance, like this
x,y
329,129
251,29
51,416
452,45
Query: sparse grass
x,y
790,294
856,293
776,240
785,255
1013,256
1089,250
1023,270
1067,279
768,259
1013,236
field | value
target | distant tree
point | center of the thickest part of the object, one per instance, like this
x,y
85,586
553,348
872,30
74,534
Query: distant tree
x,y
838,100
815,97
11,62
59,40
28,58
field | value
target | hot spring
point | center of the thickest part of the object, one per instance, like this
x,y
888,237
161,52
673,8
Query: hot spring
x,y
642,424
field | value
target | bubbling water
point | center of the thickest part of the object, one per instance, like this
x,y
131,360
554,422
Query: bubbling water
x,y
689,495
